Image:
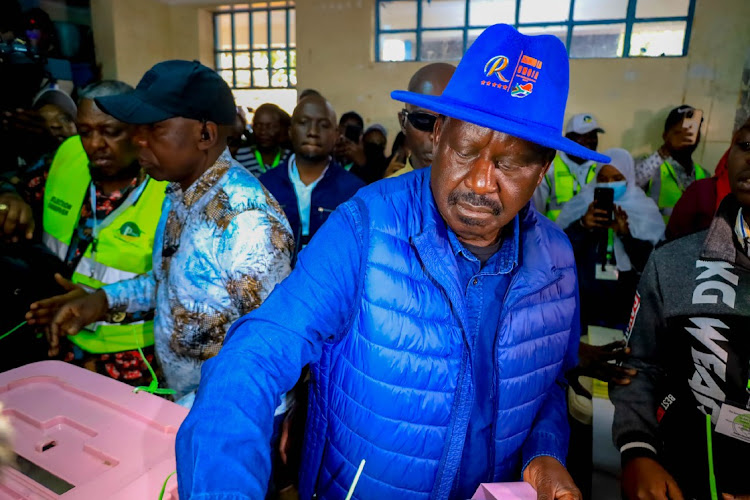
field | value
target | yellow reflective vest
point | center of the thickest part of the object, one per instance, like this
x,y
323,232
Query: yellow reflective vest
x,y
562,186
121,250
666,190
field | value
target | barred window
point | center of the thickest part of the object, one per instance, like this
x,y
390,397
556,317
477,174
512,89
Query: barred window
x,y
442,30
255,44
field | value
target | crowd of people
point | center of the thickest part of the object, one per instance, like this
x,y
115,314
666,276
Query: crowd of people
x,y
317,301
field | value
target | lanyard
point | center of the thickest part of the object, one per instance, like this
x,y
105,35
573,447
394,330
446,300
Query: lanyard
x,y
97,226
263,164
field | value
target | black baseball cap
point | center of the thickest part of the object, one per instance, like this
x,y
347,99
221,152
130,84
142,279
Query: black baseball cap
x,y
173,89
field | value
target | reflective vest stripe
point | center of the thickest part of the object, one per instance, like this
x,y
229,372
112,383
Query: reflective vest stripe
x,y
666,190
124,248
562,186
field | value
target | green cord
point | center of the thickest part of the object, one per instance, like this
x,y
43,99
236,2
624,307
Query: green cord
x,y
153,387
711,476
12,330
164,486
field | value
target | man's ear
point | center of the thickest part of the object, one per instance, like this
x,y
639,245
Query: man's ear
x,y
544,171
209,135
402,121
437,131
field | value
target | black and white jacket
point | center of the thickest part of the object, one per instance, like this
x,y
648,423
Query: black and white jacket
x,y
690,337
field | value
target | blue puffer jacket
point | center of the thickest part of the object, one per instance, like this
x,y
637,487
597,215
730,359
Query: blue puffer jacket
x,y
391,380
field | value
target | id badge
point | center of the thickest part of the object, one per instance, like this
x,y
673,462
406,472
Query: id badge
x,y
609,273
734,422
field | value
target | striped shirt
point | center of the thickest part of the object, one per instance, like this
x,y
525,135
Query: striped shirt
x,y
248,157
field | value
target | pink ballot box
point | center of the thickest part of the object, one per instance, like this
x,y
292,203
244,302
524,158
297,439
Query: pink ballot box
x,y
83,436
505,491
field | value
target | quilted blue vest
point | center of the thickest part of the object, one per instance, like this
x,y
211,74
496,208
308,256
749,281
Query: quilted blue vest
x,y
397,389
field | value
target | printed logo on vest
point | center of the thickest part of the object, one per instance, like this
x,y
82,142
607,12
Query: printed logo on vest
x,y
60,206
130,231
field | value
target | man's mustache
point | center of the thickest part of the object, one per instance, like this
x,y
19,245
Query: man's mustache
x,y
471,198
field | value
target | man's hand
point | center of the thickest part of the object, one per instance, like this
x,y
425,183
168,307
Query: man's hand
x,y
41,312
24,121
645,479
551,480
16,218
594,361
74,315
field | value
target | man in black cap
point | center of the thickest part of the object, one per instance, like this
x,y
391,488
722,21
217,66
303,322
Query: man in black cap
x,y
670,170
222,243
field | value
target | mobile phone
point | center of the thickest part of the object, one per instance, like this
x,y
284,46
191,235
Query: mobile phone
x,y
353,133
692,124
604,199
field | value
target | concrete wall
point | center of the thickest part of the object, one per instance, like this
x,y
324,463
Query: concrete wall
x,y
630,97
132,35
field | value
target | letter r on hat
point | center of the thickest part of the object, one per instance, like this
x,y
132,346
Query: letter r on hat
x,y
494,67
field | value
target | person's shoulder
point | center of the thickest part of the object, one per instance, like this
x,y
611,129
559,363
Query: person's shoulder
x,y
275,175
395,189
394,205
545,225
681,252
541,235
345,178
241,191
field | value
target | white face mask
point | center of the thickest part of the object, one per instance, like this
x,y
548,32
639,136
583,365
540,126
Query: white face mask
x,y
619,187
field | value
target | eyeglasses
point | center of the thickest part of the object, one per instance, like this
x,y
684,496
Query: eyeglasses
x,y
420,120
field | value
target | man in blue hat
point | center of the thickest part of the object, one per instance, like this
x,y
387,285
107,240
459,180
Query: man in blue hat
x,y
438,310
222,242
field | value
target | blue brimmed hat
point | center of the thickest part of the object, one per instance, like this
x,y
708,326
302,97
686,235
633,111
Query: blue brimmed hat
x,y
512,83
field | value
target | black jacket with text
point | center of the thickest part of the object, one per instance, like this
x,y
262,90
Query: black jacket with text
x,y
690,338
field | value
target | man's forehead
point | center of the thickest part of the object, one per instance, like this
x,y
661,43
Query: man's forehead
x,y
416,109
466,130
266,114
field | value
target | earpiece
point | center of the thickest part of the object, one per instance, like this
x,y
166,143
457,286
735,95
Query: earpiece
x,y
205,136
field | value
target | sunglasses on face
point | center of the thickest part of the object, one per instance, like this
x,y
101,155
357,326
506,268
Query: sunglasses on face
x,y
420,120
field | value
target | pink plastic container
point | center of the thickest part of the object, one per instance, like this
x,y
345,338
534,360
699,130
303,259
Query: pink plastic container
x,y
83,436
505,491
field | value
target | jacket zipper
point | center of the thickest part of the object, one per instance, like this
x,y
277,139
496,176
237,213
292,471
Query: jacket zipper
x,y
495,373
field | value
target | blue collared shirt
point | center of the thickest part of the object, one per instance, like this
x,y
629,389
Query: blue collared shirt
x,y
485,288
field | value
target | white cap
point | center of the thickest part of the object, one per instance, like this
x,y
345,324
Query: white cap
x,y
582,123
58,97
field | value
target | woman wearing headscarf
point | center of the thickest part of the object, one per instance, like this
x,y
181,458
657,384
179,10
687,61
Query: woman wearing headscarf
x,y
624,245
610,255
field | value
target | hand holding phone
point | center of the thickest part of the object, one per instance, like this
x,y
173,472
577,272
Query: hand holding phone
x,y
604,199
